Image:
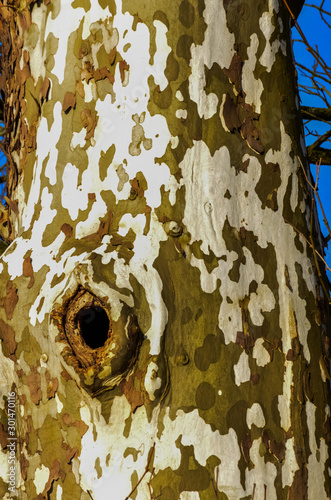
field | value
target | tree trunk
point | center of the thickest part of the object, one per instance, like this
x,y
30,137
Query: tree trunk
x,y
164,312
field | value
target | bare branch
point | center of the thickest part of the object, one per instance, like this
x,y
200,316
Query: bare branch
x,y
320,141
320,114
310,49
318,154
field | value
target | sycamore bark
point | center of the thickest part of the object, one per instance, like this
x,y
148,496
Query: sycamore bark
x,y
163,318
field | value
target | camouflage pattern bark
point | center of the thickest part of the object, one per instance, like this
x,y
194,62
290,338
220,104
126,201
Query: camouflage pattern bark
x,y
163,318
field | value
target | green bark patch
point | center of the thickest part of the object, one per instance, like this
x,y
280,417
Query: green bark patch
x,y
205,396
194,477
208,353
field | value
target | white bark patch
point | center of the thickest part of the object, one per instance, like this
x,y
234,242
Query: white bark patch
x,y
284,400
261,300
230,319
217,48
136,223
46,217
253,87
255,416
189,495
179,96
59,405
73,197
260,353
92,223
242,372
267,27
78,138
262,475
46,140
290,465
181,113
161,55
283,236
59,492
61,26
49,294
41,478
152,381
225,447
116,471
317,458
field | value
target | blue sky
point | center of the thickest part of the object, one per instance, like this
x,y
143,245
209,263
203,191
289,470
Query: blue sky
x,y
317,33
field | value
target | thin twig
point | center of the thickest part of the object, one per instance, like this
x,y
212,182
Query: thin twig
x,y
325,220
313,52
311,246
151,454
320,140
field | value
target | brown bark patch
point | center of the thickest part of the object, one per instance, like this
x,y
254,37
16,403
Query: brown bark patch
x,y
133,394
45,88
277,449
299,487
7,334
3,437
70,452
102,73
12,205
246,445
9,302
69,102
246,341
52,385
34,384
65,375
81,426
67,230
230,114
54,474
89,121
28,270
24,465
234,71
255,378
124,66
252,135
104,228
